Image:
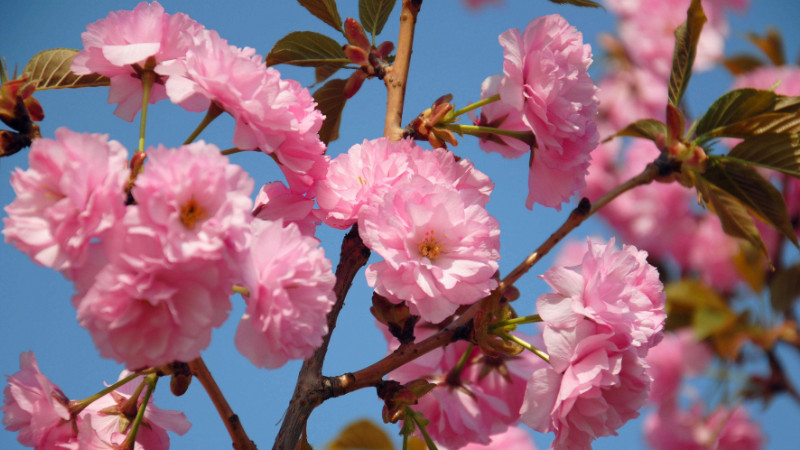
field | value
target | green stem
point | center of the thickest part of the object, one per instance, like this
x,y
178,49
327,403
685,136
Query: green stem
x,y
76,407
213,112
455,374
232,151
522,342
481,131
425,435
148,79
516,321
130,440
476,105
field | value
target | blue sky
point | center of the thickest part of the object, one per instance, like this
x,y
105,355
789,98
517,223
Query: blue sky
x,y
455,50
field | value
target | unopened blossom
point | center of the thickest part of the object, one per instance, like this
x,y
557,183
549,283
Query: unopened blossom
x,y
615,288
36,408
594,385
439,251
277,116
676,356
290,285
126,43
110,419
275,201
482,401
364,174
546,80
72,192
724,428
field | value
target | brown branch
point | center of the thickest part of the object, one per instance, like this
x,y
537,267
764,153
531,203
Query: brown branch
x,y
231,420
310,390
397,75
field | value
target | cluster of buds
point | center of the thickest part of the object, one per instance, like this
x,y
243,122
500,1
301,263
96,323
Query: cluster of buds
x,y
371,60
399,397
395,316
18,110
493,310
424,126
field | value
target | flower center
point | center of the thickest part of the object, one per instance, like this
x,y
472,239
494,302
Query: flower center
x,y
362,181
191,213
430,247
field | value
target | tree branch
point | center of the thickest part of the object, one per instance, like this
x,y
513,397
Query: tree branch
x,y
397,75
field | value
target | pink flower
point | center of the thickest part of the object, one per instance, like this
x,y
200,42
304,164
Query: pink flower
x,y
478,403
37,408
275,201
368,170
678,354
72,192
126,42
631,94
277,116
546,80
501,115
195,202
291,292
478,4
514,438
110,421
439,251
787,79
674,429
593,387
615,288
718,268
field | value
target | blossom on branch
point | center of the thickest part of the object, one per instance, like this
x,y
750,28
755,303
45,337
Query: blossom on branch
x,y
126,43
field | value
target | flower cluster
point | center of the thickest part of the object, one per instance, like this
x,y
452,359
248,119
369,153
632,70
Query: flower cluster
x,y
598,325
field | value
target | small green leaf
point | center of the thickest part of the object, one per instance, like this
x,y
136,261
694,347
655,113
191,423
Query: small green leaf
x,y
770,123
362,434
308,49
746,185
686,37
774,151
646,128
373,14
50,69
586,3
771,44
735,106
322,73
785,288
742,63
325,10
733,215
330,100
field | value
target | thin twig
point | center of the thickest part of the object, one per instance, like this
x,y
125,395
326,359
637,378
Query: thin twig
x,y
231,420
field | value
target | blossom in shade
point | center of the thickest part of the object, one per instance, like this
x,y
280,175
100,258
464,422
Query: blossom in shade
x,y
110,420
126,42
291,291
615,288
72,192
546,79
483,400
274,115
439,251
514,438
593,386
275,201
724,428
36,408
368,170
677,355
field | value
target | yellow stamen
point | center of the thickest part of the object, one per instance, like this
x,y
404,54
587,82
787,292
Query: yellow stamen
x,y
191,213
430,247
362,180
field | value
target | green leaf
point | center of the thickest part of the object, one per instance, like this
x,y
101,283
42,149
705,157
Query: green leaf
x,y
586,3
676,124
746,185
330,100
322,73
741,64
785,288
770,123
774,151
771,44
308,49
646,128
373,14
50,70
362,434
734,107
733,215
686,37
325,10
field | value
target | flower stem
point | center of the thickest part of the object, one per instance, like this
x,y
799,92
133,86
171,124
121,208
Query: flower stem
x,y
481,131
232,151
76,407
130,439
148,79
428,441
454,376
213,112
476,105
524,343
515,321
